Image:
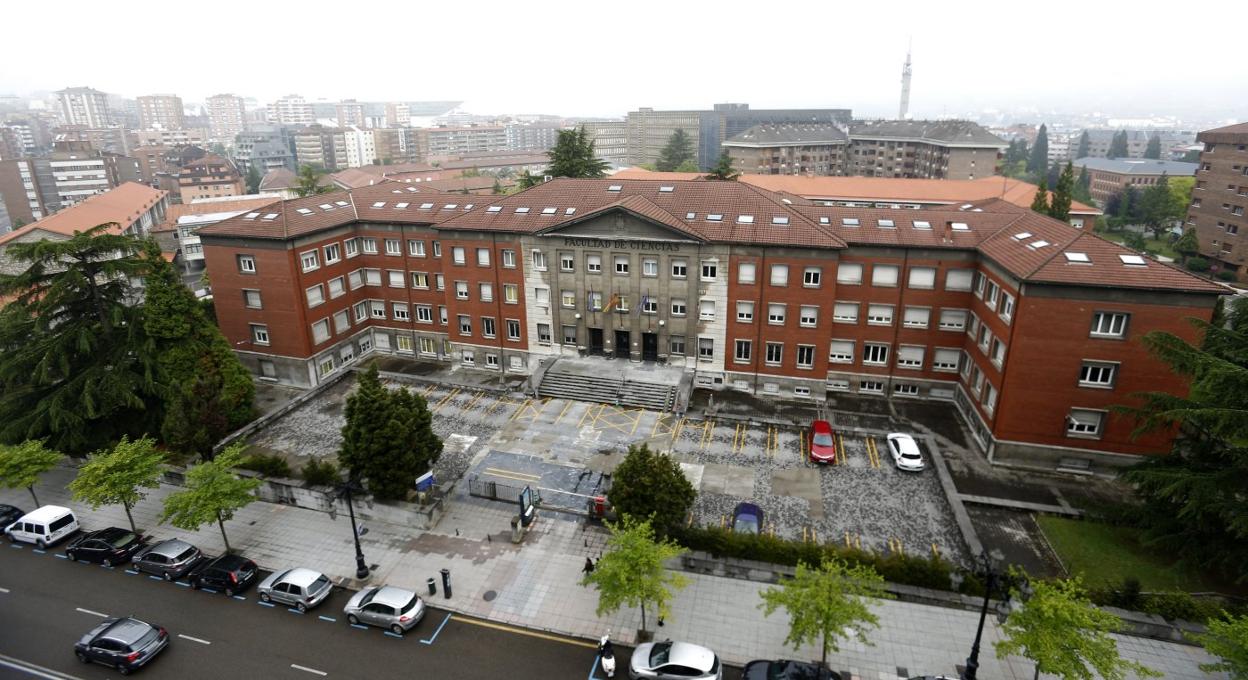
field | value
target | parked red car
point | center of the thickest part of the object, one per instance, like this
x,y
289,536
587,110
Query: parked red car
x,y
822,442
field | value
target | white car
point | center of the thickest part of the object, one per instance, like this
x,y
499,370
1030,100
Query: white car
x,y
905,450
669,660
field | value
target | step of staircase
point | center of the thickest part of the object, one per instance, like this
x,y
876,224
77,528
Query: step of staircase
x,y
608,390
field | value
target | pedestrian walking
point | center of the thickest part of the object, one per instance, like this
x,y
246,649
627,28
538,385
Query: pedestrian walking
x,y
589,567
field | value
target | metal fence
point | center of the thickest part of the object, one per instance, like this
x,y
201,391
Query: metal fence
x,y
551,499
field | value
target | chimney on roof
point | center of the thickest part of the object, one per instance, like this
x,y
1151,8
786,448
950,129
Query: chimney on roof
x,y
948,232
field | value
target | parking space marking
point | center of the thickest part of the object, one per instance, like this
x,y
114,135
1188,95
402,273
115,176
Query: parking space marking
x,y
853,540
5,591
841,453
809,535
92,613
469,405
935,550
429,390
309,670
666,422
873,453
60,556
566,407
894,546
738,437
676,431
707,426
327,618
446,399
622,419
194,639
524,404
438,630
530,410
803,448
589,410
499,404
513,475
773,441
530,633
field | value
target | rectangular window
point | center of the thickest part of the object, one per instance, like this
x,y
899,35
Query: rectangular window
x,y
461,290
404,343
649,267
884,275
990,398
487,291
569,335
539,260
593,264
621,264
678,307
443,318
316,295
746,272
952,319
706,310
567,298
325,366
247,264
871,386
745,311
491,361
910,356
483,257
511,293
1084,423
779,274
998,352
982,337
487,327
468,357
458,256
880,315
543,334
393,247
439,282
593,300
980,283
706,348
415,247
805,356
352,247
677,344
1097,374
1007,307
990,297
742,354
849,274
399,311
845,312
710,270
251,298
916,317
1109,324
567,262
808,316
649,305
841,352
396,278
875,354
372,277
336,287
309,260
465,324
361,311
958,279
259,334
424,313
437,249
513,329
332,253
509,259
320,331
680,269
946,360
621,304
378,309
427,346
369,245
775,313
812,277
420,280
775,353
923,277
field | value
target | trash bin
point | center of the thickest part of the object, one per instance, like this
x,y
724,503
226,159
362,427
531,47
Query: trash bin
x,y
433,586
446,583
600,506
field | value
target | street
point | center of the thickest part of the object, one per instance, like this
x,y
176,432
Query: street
x,y
48,602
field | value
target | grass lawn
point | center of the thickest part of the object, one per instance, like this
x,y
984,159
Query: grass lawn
x,y
1106,554
1159,246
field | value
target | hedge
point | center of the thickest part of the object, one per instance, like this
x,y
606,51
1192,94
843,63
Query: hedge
x,y
267,465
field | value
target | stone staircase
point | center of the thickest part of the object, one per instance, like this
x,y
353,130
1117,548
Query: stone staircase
x,y
607,389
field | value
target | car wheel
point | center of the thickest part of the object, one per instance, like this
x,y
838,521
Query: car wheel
x,y
396,629
40,544
194,584
353,619
229,592
123,669
264,597
82,657
107,562
168,576
301,607
73,557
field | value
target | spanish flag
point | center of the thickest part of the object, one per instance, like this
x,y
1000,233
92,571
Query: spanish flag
x,y
615,300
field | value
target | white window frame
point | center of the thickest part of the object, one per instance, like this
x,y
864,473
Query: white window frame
x,y
1108,321
875,353
812,277
880,314
260,334
837,353
916,317
710,270
808,316
1101,375
332,253
1079,424
315,295
922,278
809,351
776,313
745,311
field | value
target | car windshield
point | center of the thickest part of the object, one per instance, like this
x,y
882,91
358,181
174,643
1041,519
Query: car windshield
x,y
659,653
369,597
122,541
823,439
411,604
910,454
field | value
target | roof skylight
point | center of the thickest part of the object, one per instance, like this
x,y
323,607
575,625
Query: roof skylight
x,y
666,189
426,206
1022,236
824,220
690,215
450,206
745,219
1133,260
1072,256
960,226
342,203
615,187
569,211
400,206
494,209
886,224
1037,245
549,211
521,211
270,216
304,211
780,219
251,216
323,206
379,204
849,221
714,217
922,224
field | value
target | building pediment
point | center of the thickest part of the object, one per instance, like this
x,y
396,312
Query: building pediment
x,y
623,223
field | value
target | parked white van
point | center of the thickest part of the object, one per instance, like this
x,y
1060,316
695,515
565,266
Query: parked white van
x,y
44,526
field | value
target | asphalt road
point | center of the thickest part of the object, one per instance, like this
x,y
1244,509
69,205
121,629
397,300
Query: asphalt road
x,y
47,603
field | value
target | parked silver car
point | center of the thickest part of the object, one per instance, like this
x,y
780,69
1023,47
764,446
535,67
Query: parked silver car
x,y
674,661
300,588
170,559
386,607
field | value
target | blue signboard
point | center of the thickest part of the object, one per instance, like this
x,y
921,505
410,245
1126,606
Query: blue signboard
x,y
425,482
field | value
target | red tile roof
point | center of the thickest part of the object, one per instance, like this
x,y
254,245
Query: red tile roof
x,y
122,205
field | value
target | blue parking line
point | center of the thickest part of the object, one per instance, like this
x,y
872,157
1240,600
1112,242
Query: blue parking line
x,y
327,618
82,562
14,545
267,604
38,551
292,610
393,635
356,625
209,590
63,557
438,630
154,577
183,584
240,597
132,572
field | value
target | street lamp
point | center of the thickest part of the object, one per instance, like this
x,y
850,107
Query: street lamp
x,y
987,564
344,490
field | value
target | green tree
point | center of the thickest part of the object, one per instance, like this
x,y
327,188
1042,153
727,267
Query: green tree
x,y
21,464
1083,188
1038,161
1227,639
1040,203
1082,149
679,148
688,166
1060,630
308,182
631,572
1060,209
1191,156
120,475
650,485
574,156
1188,245
1157,207
213,493
826,603
253,178
1117,145
75,363
388,439
498,187
1153,150
18,223
1181,194
1129,208
723,170
527,180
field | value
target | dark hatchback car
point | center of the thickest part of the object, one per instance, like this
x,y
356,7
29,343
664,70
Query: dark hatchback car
x,y
125,644
107,546
747,518
786,670
229,574
8,515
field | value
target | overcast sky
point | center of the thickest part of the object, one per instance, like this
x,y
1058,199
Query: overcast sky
x,y
600,58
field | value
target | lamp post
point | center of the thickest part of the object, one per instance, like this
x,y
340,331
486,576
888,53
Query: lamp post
x,y
987,563
352,484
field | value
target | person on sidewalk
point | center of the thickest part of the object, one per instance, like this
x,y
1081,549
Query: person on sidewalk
x,y
589,567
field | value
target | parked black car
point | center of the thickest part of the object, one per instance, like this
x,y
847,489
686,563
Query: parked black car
x,y
107,546
227,573
125,644
8,515
786,670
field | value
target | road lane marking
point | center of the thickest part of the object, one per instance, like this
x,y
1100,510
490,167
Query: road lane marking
x,y
292,610
513,475
530,633
92,613
183,584
34,669
309,670
194,639
439,630
14,545
327,618
6,590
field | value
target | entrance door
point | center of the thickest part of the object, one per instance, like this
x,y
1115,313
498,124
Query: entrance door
x,y
623,344
649,347
595,341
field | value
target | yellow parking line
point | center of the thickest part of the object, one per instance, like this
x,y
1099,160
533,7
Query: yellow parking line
x,y
518,411
566,408
736,437
530,633
661,420
723,521
676,431
839,458
429,390
474,401
706,433
512,474
874,452
446,399
588,410
935,551
636,420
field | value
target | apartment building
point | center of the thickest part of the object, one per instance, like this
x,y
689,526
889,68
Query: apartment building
x,y
161,112
532,136
1220,198
227,116
267,147
944,149
80,171
350,113
397,115
27,189
1028,326
209,177
114,138
789,149
190,136
84,106
610,140
1110,176
291,110
322,147
462,140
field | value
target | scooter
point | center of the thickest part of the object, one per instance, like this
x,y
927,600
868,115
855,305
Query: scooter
x,y
607,653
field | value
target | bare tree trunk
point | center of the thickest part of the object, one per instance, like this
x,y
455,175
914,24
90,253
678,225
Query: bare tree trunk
x,y
824,661
1037,675
129,517
643,615
31,489
221,524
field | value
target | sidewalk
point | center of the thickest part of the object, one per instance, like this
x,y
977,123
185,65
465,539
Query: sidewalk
x,y
535,585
